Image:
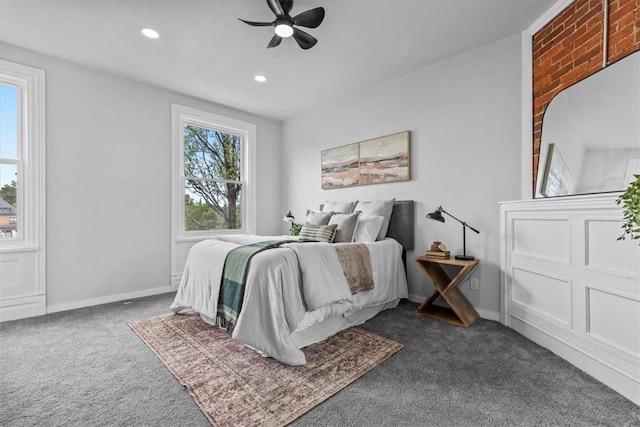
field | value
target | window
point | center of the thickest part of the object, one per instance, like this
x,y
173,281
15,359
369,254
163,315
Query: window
x,y
22,191
22,160
10,159
212,174
213,159
212,179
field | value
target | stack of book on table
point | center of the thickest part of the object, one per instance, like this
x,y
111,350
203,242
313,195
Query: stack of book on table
x,y
437,254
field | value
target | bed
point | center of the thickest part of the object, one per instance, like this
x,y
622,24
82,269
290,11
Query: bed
x,y
291,296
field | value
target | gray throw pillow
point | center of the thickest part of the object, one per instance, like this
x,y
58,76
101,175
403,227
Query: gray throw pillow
x,y
346,225
318,218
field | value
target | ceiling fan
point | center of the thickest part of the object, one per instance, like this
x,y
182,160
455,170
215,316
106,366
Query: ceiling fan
x,y
284,23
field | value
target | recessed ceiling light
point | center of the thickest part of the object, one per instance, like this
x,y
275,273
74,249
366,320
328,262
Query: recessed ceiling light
x,y
260,78
150,32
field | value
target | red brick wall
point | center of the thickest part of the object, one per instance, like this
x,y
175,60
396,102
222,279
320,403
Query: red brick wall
x,y
570,48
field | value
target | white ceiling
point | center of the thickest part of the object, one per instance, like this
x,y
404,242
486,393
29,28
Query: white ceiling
x,y
206,52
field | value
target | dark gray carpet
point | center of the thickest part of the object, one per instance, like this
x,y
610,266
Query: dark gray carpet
x,y
87,368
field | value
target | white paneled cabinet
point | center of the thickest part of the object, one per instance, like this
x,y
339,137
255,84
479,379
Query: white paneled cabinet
x,y
570,286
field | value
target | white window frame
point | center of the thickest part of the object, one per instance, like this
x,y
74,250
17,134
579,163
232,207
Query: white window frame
x,y
31,156
26,255
182,116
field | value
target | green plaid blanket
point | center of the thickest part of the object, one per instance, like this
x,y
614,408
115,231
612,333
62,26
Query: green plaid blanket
x,y
234,276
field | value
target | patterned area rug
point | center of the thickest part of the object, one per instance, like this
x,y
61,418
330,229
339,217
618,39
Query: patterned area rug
x,y
234,385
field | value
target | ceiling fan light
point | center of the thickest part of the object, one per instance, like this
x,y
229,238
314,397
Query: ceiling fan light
x,y
150,32
284,30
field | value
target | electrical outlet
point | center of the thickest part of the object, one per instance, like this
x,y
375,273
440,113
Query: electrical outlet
x,y
474,283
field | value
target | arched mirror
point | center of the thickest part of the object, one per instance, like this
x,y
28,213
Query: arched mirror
x,y
591,133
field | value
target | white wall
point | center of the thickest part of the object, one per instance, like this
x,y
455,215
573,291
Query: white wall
x,y
108,181
464,115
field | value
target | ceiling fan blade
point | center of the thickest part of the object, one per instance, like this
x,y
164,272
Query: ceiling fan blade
x,y
257,24
275,41
286,6
311,18
275,7
305,40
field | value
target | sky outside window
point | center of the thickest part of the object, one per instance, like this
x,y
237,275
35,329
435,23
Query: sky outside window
x,y
8,130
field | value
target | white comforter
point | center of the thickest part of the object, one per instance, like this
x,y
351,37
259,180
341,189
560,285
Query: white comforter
x,y
276,319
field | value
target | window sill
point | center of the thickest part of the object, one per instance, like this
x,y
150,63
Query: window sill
x,y
18,247
198,237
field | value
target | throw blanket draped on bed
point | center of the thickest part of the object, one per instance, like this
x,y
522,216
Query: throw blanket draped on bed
x,y
356,265
325,273
233,281
354,259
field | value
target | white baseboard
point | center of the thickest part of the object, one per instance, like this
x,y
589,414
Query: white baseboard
x,y
489,315
485,314
54,308
613,378
416,298
22,307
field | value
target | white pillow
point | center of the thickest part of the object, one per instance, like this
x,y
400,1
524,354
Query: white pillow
x,y
367,228
339,207
383,208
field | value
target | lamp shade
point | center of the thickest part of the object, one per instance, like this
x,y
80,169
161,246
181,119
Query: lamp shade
x,y
437,215
289,217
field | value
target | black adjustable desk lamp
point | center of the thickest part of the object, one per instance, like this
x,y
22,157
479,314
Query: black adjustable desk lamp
x,y
437,215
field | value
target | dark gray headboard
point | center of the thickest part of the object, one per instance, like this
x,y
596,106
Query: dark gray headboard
x,y
401,225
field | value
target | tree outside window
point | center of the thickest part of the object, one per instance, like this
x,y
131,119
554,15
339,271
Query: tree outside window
x,y
213,179
9,193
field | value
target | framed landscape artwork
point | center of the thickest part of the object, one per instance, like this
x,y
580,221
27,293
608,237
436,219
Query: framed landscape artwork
x,y
374,161
557,175
340,167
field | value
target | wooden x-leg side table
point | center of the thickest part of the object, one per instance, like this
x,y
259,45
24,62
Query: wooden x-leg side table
x,y
460,312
